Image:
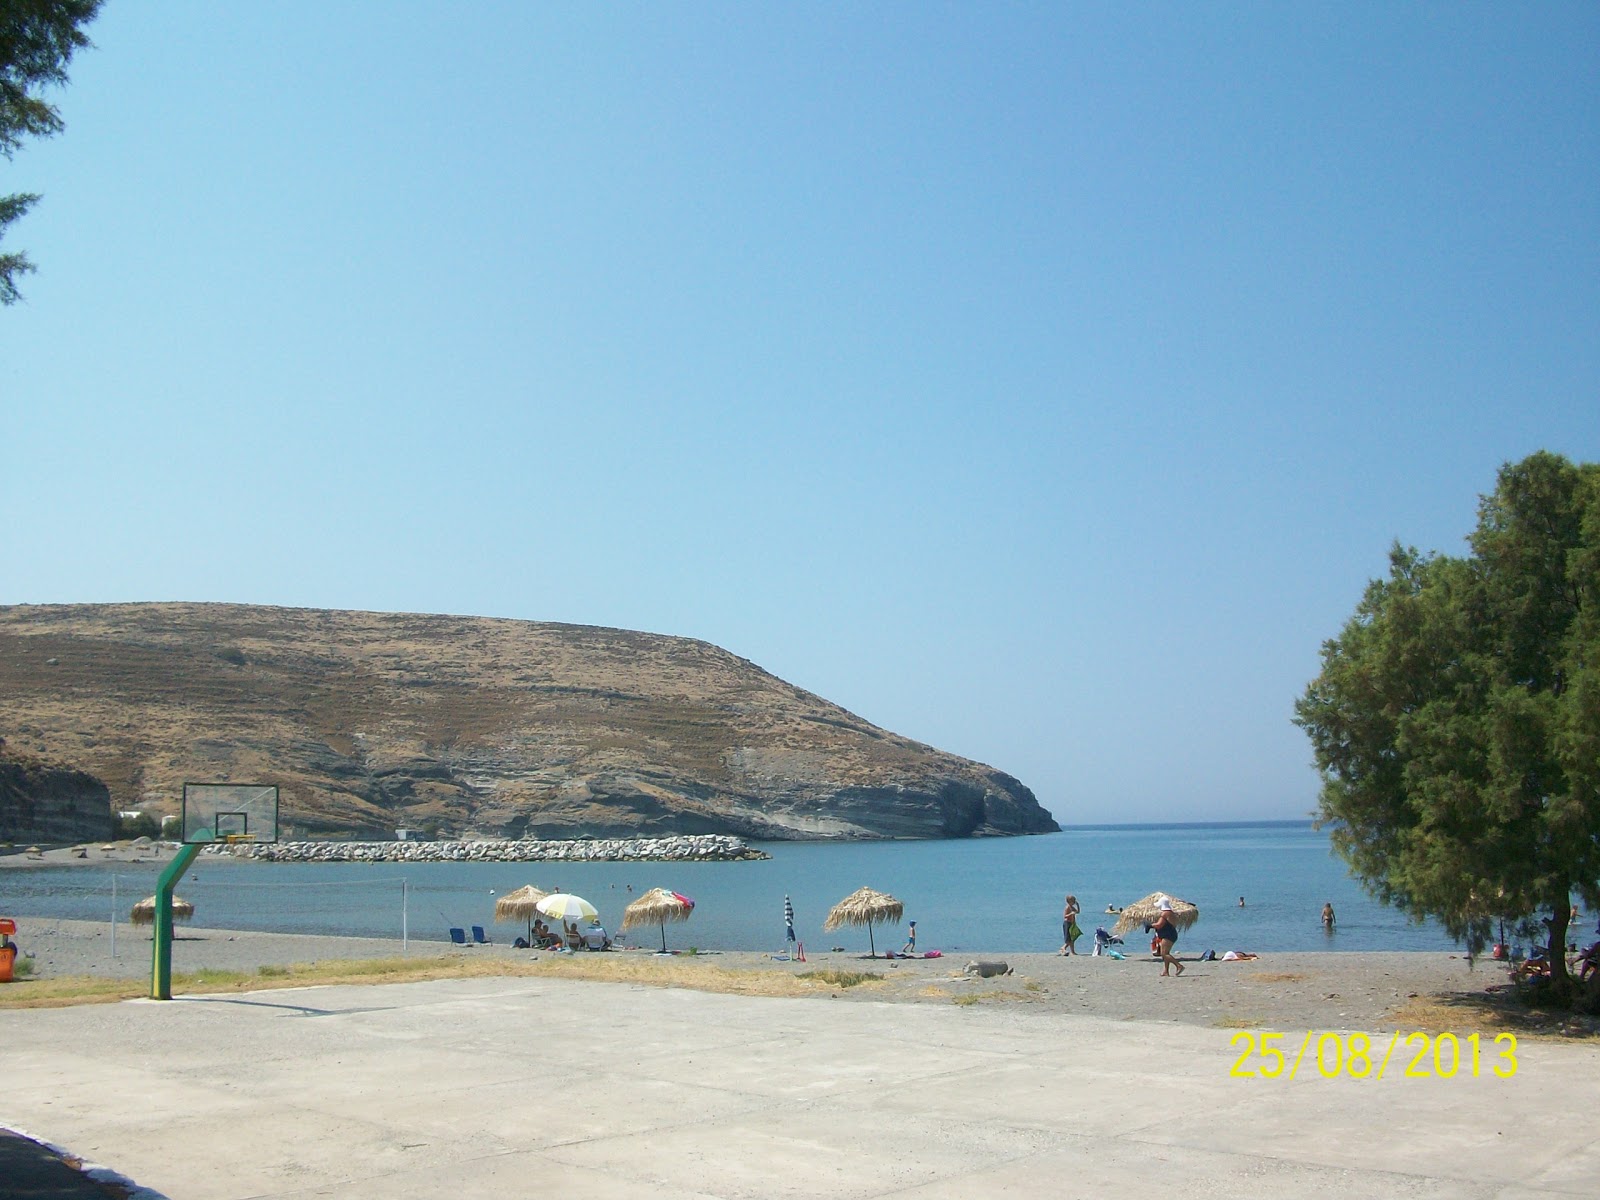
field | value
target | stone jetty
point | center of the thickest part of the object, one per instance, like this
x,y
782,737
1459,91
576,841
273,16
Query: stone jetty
x,y
696,848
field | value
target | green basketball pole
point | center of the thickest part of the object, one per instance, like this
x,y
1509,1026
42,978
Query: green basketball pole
x,y
161,967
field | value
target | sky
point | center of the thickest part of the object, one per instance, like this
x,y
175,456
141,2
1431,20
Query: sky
x,y
1043,382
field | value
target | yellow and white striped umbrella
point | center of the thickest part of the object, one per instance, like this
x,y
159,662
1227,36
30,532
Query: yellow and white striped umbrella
x,y
564,906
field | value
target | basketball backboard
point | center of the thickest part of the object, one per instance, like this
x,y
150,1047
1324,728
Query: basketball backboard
x,y
230,812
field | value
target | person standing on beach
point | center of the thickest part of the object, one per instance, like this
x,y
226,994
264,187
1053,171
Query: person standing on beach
x,y
1167,933
1327,916
911,940
1069,926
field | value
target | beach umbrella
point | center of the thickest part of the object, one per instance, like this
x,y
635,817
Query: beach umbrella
x,y
1148,910
519,905
144,912
788,919
563,906
865,907
657,907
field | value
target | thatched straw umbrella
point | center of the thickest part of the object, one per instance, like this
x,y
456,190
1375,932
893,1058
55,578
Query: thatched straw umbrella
x,y
657,907
520,905
1148,911
865,907
144,912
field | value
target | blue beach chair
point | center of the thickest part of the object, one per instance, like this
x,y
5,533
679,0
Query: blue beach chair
x,y
477,936
459,936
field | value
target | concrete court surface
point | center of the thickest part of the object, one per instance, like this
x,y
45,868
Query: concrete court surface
x,y
498,1087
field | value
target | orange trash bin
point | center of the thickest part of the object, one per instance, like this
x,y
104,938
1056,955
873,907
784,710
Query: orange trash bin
x,y
8,952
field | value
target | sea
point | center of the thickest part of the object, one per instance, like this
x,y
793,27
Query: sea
x,y
989,895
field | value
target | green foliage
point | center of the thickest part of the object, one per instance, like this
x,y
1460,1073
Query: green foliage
x,y
37,41
1456,720
143,825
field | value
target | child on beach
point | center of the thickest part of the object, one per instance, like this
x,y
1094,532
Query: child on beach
x,y
911,939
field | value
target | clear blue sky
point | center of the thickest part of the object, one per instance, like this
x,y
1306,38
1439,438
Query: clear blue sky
x,y
1043,382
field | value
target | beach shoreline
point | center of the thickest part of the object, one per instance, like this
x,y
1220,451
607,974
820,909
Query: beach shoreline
x,y
1320,990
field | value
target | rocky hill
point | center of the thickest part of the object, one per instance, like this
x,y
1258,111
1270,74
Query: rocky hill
x,y
46,802
466,725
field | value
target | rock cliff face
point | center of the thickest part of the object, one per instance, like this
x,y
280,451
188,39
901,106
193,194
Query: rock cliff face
x,y
465,725
46,802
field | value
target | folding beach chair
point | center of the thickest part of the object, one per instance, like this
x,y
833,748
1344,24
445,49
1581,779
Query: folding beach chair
x,y
1103,941
459,936
477,936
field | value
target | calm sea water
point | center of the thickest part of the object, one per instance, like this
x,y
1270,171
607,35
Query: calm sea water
x,y
1000,894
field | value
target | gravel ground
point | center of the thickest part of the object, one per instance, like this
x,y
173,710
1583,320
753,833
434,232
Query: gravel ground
x,y
1321,990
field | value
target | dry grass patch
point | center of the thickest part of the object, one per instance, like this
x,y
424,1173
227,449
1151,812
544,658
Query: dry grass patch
x,y
695,973
1491,1012
649,972
844,979
1230,1022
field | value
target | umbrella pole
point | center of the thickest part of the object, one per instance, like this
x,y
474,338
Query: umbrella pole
x,y
663,937
871,945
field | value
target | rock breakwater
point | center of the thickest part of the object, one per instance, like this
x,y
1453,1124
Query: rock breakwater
x,y
698,848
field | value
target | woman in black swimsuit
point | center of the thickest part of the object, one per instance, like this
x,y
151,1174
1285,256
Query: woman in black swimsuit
x,y
1168,933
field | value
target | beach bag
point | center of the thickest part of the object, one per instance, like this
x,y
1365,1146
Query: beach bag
x,y
1074,933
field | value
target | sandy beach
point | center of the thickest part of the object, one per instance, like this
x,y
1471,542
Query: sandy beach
x,y
1280,991
1300,990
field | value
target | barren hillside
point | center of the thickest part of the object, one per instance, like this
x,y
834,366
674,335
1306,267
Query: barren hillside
x,y
372,721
